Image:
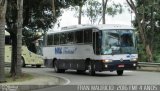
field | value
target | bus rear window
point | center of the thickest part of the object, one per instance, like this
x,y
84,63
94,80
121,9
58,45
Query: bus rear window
x,y
7,40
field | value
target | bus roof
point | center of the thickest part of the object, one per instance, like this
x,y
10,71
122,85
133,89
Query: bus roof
x,y
100,27
113,26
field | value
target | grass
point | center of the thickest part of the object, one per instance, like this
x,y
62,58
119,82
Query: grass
x,y
23,77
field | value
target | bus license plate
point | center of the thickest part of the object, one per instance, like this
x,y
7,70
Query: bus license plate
x,y
120,66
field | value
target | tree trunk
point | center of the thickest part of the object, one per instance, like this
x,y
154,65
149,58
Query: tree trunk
x,y
19,35
14,55
17,43
80,14
104,4
53,7
3,4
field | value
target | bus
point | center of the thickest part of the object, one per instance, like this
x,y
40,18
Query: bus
x,y
28,57
93,48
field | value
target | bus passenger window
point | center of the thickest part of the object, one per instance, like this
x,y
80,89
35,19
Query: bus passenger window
x,y
88,36
56,39
79,37
50,40
70,37
63,38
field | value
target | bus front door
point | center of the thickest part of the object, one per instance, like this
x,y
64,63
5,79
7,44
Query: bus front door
x,y
96,42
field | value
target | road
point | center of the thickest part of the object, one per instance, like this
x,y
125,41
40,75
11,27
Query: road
x,y
101,78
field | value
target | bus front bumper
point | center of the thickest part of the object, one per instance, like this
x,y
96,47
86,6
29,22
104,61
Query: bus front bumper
x,y
112,66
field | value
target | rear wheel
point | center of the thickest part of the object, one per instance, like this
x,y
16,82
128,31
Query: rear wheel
x,y
91,69
119,72
56,69
38,66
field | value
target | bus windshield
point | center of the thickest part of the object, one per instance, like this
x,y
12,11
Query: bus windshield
x,y
118,42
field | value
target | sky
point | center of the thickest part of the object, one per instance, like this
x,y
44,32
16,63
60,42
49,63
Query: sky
x,y
68,17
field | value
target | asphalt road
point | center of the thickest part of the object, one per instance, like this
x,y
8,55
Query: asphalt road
x,y
101,78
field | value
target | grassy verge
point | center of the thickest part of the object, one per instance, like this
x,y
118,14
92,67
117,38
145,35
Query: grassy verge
x,y
23,77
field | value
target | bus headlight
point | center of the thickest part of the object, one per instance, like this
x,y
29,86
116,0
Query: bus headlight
x,y
107,61
133,59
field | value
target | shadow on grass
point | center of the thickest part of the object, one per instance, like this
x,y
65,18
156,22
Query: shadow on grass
x,y
23,77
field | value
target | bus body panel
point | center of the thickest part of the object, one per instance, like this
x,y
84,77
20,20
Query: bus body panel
x,y
72,57
30,58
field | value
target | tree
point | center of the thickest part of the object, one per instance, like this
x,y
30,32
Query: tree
x,y
3,4
93,10
112,10
96,10
37,14
142,27
19,36
79,10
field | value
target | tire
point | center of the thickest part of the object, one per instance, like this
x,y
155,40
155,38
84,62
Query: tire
x,y
119,72
23,62
56,69
91,69
38,66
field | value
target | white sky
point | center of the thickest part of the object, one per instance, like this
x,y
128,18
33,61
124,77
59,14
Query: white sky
x,y
68,18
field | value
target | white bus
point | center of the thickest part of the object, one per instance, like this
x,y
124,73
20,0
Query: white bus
x,y
28,57
93,48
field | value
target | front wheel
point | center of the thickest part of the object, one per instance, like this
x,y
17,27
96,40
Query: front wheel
x,y
119,72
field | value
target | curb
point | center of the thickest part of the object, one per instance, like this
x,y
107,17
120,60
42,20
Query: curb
x,y
50,81
150,69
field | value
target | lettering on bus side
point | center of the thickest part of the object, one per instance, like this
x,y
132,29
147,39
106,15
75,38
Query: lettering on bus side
x,y
68,50
58,50
65,50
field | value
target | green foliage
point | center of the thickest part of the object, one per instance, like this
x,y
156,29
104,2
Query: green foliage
x,y
114,9
142,54
93,10
37,15
150,16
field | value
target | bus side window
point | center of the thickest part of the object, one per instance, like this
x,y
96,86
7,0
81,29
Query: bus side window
x,y
56,39
79,37
63,38
50,40
70,38
88,36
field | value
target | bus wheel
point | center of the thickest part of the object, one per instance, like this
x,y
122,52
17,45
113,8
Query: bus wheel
x,y
23,62
91,70
62,70
38,66
56,68
119,72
